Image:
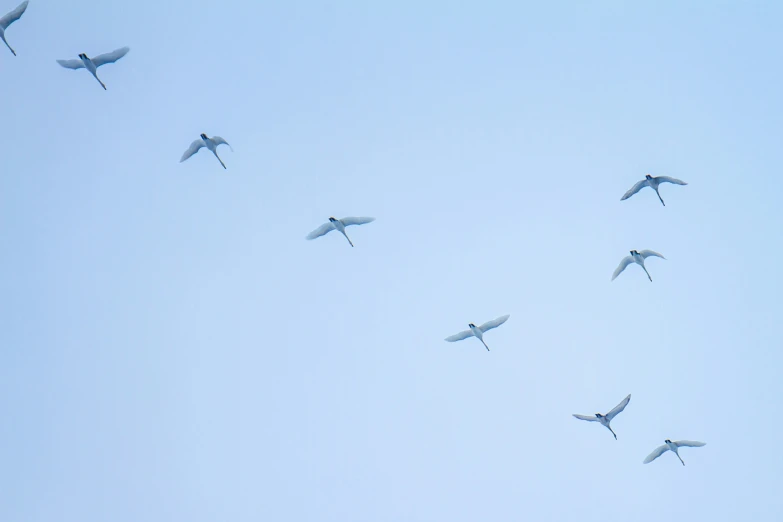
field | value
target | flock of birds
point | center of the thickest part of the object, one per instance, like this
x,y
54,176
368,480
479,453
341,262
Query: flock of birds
x,y
211,144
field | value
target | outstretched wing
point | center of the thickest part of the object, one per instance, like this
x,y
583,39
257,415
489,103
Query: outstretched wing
x,y
320,231
13,16
617,409
460,336
71,64
194,148
103,59
633,190
217,140
348,221
660,450
627,260
649,253
689,443
591,418
489,325
667,179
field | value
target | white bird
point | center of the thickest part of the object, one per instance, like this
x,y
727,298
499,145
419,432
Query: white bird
x,y
638,258
84,62
606,419
10,18
210,143
673,446
652,182
339,224
478,331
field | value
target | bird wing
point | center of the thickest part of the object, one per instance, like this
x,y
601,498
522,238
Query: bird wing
x,y
657,452
460,336
627,260
633,190
103,59
649,253
489,325
591,418
617,409
13,16
217,140
348,221
71,64
320,231
667,179
689,443
194,148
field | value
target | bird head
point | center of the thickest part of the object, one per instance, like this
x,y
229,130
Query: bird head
x,y
667,441
203,136
471,325
82,55
332,219
633,252
599,415
647,176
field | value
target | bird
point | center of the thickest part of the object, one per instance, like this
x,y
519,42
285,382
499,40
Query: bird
x,y
10,18
638,258
478,331
652,182
210,143
92,64
339,224
673,446
606,419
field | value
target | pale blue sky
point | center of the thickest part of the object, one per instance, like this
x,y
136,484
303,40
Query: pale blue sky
x,y
174,350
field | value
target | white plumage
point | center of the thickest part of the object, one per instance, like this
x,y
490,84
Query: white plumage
x,y
339,225
478,331
10,18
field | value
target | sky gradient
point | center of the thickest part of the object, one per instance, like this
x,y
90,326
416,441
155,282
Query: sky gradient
x,y
172,349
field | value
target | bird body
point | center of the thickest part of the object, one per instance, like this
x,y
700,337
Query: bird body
x,y
605,420
210,143
674,447
638,258
653,183
92,64
478,331
10,18
339,225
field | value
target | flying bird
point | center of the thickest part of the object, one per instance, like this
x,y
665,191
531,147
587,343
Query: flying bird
x,y
638,258
92,64
673,446
10,18
339,224
606,419
210,143
478,331
652,182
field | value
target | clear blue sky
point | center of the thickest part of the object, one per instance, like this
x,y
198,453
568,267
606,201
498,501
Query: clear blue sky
x,y
172,349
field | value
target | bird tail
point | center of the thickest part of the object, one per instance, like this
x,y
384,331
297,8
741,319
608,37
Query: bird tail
x,y
220,160
6,43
